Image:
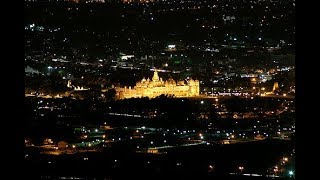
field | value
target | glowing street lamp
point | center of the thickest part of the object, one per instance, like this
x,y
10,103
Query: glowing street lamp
x,y
275,169
210,168
241,168
201,136
291,173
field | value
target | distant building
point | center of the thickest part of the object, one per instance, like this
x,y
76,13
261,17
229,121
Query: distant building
x,y
153,150
126,57
76,88
62,144
30,70
292,89
275,86
156,87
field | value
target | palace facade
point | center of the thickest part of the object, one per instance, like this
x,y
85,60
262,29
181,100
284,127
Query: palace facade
x,y
156,86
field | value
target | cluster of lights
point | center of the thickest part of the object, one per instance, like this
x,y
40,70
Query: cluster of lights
x,y
201,136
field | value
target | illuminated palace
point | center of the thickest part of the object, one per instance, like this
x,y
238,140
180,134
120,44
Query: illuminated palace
x,y
156,87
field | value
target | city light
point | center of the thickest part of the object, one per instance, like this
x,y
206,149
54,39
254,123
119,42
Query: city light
x,y
291,173
241,168
171,46
161,85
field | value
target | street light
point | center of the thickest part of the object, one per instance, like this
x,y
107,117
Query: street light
x,y
200,135
276,169
291,173
241,168
210,168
